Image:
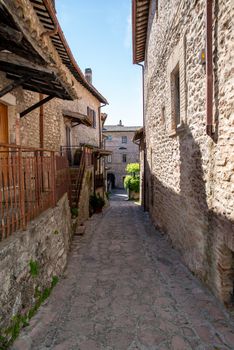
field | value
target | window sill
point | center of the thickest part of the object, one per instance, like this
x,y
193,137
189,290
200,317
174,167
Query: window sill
x,y
179,129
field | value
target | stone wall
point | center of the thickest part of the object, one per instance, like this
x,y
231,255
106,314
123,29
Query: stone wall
x,y
86,192
190,175
45,244
28,133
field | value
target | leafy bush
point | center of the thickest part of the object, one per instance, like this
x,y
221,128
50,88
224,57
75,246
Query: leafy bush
x,y
132,183
74,213
133,168
127,181
96,201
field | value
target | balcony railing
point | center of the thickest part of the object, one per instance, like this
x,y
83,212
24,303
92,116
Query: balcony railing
x,y
31,181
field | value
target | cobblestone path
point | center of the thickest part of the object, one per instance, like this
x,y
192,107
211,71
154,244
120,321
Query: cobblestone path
x,y
126,288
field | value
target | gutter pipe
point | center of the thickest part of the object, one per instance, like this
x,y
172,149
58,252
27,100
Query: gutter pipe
x,y
145,158
209,68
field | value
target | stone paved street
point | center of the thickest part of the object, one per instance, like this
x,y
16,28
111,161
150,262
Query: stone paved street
x,y
126,288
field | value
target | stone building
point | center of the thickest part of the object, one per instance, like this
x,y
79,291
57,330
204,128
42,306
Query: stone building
x,y
49,110
187,51
118,140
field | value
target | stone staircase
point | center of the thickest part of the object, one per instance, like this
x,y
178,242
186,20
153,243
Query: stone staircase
x,y
76,175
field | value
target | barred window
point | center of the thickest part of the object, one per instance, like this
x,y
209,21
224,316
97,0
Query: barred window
x,y
124,139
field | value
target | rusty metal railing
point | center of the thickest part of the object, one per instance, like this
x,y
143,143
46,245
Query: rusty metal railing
x,y
74,154
31,181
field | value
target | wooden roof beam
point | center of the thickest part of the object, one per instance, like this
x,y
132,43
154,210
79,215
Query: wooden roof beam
x,y
13,85
8,33
36,105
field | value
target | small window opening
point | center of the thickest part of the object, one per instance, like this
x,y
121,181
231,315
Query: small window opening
x,y
156,9
124,139
175,97
124,158
163,115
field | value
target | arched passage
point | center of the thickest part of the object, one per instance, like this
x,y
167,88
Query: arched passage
x,y
110,181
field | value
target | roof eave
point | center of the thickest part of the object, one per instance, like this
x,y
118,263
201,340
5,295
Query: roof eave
x,y
139,53
86,84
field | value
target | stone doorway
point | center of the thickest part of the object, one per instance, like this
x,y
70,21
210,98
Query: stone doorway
x,y
110,181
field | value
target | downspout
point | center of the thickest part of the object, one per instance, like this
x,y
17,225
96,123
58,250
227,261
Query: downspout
x,y
145,158
41,122
100,140
209,68
99,117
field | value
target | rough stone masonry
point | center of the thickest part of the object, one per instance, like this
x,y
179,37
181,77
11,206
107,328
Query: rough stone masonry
x,y
190,176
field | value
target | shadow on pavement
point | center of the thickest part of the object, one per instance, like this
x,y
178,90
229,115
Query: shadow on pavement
x,y
118,195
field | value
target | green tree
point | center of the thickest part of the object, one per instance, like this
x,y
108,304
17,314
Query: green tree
x,y
132,181
133,169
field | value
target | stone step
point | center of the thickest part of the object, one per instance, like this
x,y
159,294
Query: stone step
x,y
80,230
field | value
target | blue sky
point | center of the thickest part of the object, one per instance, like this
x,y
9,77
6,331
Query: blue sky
x,y
99,35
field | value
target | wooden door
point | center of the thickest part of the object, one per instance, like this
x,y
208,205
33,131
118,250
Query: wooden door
x,y
3,124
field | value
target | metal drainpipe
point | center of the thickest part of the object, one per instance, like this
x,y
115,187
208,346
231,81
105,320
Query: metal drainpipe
x,y
209,68
99,116
41,122
100,138
143,97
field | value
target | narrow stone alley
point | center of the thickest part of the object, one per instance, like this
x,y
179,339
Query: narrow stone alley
x,y
125,287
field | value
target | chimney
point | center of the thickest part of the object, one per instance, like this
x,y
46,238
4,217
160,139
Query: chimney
x,y
120,123
88,75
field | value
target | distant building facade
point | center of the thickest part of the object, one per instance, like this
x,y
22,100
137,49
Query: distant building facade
x,y
118,139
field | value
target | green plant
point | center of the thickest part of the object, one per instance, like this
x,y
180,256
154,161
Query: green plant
x,y
54,281
133,169
127,181
132,183
74,212
8,336
96,201
34,268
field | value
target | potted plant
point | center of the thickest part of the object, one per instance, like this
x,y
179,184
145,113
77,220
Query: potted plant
x,y
96,203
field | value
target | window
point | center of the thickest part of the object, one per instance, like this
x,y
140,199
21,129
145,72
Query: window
x,y
109,138
163,116
91,114
175,93
124,139
94,120
176,108
109,159
156,8
124,158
